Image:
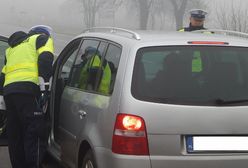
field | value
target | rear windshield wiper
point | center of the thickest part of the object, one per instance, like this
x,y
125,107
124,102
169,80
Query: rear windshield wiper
x,y
227,102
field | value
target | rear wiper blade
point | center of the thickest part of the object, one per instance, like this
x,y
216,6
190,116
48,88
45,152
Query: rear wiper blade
x,y
226,102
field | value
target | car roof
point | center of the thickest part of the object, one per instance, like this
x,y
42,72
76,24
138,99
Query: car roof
x,y
157,38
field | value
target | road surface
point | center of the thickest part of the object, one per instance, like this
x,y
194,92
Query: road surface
x,y
4,158
5,162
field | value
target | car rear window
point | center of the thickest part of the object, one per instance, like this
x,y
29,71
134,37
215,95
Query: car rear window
x,y
192,75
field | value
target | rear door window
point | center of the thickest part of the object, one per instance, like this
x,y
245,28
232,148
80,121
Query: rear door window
x,y
110,66
194,75
80,70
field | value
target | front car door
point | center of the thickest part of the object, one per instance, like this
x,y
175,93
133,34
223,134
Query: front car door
x,y
62,68
70,119
3,47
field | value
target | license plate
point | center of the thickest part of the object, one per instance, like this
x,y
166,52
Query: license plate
x,y
216,144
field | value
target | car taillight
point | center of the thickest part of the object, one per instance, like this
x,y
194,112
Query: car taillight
x,y
130,136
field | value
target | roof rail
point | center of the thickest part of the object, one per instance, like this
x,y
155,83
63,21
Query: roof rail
x,y
223,32
133,34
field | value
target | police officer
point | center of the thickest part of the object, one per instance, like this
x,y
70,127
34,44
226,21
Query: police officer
x,y
197,18
25,80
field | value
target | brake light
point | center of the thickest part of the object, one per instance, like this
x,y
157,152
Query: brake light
x,y
132,123
208,42
130,135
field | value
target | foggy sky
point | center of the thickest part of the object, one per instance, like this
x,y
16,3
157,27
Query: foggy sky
x,y
66,18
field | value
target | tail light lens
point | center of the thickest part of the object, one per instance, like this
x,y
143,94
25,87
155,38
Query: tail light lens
x,y
130,137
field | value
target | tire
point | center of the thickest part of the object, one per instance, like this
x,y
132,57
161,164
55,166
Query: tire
x,y
89,160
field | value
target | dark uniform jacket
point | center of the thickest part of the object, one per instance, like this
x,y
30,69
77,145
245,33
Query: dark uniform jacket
x,y
192,28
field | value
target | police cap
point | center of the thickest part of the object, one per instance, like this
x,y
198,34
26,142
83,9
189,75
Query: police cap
x,y
41,29
198,14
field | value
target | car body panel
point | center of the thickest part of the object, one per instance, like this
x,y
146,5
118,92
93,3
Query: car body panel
x,y
167,125
106,158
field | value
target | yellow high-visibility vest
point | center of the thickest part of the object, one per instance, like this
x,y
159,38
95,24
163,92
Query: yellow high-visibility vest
x,y
95,62
205,32
22,61
197,62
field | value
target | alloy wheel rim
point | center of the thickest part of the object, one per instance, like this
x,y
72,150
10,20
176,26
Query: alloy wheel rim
x,y
89,164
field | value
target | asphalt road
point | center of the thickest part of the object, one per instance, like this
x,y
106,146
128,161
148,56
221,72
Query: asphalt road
x,y
5,162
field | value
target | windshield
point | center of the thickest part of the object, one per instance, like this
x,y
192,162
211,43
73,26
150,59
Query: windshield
x,y
193,75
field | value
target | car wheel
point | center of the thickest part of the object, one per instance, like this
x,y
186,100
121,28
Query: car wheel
x,y
89,160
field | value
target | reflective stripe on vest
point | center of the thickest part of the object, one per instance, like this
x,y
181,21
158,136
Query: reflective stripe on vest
x,y
22,62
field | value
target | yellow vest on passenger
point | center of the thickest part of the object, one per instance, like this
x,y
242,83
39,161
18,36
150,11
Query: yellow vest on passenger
x,y
197,61
95,62
22,61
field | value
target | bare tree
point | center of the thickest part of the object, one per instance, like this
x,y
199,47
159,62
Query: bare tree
x,y
115,5
143,8
233,16
144,12
181,6
179,10
90,9
158,12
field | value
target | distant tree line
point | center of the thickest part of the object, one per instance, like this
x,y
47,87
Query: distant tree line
x,y
233,16
156,14
148,12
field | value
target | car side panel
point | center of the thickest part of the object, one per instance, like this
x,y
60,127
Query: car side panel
x,y
107,159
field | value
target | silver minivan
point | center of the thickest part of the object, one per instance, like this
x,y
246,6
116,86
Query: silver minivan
x,y
124,99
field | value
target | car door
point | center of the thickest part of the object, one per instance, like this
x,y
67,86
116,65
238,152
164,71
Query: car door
x,y
72,119
3,47
62,68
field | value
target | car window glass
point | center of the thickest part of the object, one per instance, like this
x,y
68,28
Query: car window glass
x,y
67,58
153,64
68,65
109,69
3,47
84,71
172,74
97,71
102,47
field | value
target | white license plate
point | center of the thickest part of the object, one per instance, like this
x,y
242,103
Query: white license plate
x,y
217,143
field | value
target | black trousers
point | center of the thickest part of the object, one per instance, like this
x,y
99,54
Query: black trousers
x,y
25,123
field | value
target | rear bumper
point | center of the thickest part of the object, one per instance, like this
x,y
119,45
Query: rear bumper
x,y
229,161
106,159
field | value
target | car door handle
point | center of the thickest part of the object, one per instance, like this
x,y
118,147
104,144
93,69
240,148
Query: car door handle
x,y
82,114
